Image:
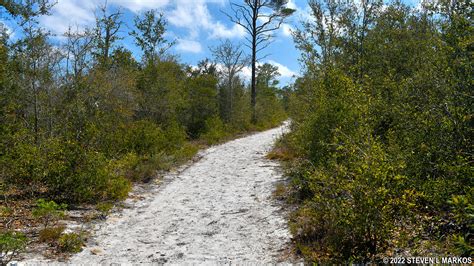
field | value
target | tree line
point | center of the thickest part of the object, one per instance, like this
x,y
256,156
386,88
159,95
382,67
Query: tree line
x,y
380,152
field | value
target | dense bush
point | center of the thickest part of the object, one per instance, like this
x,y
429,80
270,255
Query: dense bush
x,y
380,133
78,175
71,243
214,131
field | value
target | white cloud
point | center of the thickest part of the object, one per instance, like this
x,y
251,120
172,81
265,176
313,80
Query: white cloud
x,y
189,46
77,13
141,5
246,73
81,13
284,71
291,4
191,15
221,31
195,16
286,29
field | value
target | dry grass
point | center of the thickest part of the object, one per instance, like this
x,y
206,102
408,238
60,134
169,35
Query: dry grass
x,y
281,153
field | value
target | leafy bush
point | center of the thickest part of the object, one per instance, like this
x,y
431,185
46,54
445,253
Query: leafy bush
x,y
269,110
185,153
21,162
71,243
145,138
79,175
11,244
354,201
175,135
48,211
214,130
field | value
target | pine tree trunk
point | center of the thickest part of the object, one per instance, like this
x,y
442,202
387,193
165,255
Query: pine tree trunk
x,y
253,99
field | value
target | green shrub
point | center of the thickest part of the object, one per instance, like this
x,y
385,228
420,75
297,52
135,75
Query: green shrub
x,y
355,203
51,234
71,243
185,153
78,175
175,135
11,244
463,212
127,166
22,163
117,189
144,138
214,131
48,211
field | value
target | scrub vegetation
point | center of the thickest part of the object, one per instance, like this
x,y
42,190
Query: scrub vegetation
x,y
380,153
81,121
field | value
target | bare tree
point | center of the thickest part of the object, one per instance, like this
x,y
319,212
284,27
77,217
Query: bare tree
x,y
233,60
259,18
78,48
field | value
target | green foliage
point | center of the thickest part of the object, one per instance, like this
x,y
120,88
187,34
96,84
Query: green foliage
x,y
105,207
380,126
71,243
269,109
76,175
11,244
162,85
214,131
27,9
462,245
48,211
202,102
149,35
21,161
144,137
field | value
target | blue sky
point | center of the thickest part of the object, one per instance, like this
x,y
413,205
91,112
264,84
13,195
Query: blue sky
x,y
196,25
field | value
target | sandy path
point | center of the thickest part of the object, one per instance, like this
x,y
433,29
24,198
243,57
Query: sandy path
x,y
218,210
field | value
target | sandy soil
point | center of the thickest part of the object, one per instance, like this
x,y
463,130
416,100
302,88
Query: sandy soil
x,y
217,210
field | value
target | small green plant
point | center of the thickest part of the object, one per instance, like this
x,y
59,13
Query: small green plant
x,y
5,211
51,234
462,246
11,244
71,243
48,211
105,208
